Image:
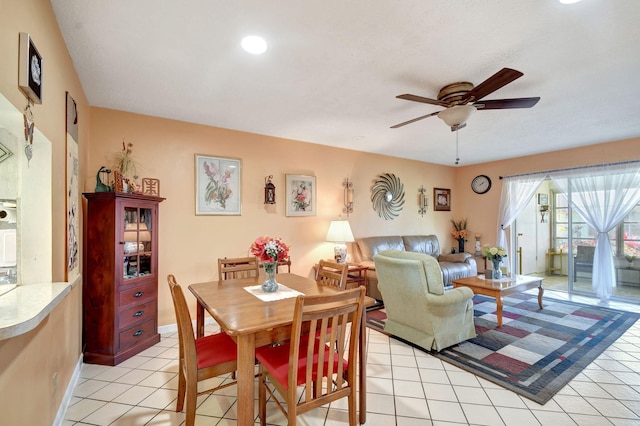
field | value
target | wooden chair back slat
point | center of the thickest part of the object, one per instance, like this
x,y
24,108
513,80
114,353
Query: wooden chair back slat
x,y
332,274
237,268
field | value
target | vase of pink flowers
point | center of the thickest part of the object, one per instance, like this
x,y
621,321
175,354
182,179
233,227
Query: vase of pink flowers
x,y
270,251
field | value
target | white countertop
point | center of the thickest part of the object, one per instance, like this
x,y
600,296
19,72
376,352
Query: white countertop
x,y
23,307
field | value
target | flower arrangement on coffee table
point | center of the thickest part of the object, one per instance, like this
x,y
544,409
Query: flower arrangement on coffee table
x,y
270,251
495,254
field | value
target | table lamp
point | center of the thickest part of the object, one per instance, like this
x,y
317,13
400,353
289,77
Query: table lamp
x,y
340,234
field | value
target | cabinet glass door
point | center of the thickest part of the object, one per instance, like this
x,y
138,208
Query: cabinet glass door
x,y
137,232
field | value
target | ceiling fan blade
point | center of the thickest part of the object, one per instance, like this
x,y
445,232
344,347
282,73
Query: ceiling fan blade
x,y
507,103
493,83
414,120
416,98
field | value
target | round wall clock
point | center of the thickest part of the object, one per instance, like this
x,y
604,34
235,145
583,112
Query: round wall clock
x,y
481,184
387,196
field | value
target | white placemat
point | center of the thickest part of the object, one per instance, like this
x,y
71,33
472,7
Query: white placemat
x,y
283,292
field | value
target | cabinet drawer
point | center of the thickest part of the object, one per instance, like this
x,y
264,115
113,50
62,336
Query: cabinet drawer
x,y
139,333
137,314
138,294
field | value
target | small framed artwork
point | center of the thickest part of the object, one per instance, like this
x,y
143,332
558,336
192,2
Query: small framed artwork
x,y
543,199
301,195
30,69
218,185
441,199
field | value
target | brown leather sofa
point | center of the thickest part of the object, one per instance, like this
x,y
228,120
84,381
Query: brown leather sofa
x,y
453,266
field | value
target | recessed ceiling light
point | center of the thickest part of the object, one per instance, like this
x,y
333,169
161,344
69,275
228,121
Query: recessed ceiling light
x,y
254,44
569,1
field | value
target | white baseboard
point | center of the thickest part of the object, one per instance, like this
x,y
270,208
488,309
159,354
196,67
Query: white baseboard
x,y
68,394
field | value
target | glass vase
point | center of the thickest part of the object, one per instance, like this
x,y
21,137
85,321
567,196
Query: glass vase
x,y
496,273
461,245
270,285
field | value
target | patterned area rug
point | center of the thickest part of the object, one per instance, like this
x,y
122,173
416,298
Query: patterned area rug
x,y
536,352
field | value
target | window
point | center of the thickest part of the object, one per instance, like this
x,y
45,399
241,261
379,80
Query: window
x,y
629,234
624,238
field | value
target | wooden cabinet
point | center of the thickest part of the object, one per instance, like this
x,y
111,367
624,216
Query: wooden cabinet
x,y
120,276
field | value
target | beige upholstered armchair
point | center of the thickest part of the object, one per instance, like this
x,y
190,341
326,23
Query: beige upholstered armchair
x,y
418,308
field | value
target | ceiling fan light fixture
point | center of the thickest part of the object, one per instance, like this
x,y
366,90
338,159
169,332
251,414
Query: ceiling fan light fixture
x,y
457,115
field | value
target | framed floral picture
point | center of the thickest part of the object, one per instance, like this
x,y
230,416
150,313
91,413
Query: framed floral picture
x,y
301,195
441,199
218,185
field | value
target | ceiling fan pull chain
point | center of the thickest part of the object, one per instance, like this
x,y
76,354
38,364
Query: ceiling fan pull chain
x,y
457,155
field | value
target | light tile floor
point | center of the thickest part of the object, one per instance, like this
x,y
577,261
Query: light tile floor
x,y
405,387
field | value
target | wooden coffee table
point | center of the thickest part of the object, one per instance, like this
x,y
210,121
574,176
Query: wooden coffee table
x,y
501,287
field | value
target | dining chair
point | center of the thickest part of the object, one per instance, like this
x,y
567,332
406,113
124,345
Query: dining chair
x,y
237,267
199,359
325,365
282,263
332,274
286,262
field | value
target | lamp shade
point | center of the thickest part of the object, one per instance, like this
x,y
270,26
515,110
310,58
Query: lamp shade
x,y
340,232
456,115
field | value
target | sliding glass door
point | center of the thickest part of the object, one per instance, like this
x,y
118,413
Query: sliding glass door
x,y
572,236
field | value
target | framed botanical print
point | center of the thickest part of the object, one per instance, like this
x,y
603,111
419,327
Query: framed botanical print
x,y
301,195
218,185
441,199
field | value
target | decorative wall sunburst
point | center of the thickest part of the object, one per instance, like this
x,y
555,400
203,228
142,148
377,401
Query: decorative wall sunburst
x,y
387,196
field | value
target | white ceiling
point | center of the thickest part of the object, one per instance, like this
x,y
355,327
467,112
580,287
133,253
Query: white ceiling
x,y
334,67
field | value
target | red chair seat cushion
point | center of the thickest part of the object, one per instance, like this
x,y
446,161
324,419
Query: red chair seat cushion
x,y
215,349
276,361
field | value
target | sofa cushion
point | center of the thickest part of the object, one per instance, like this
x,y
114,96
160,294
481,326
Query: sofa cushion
x,y
456,270
427,244
370,246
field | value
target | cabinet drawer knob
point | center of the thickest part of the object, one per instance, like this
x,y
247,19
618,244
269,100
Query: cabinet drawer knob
x,y
137,333
138,314
138,294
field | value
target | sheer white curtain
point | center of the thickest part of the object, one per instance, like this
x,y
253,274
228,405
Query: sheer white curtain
x,y
516,194
602,196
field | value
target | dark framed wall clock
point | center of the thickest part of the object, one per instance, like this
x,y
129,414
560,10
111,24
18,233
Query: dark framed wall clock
x,y
481,184
30,69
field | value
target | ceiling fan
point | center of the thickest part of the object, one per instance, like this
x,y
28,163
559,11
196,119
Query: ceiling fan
x,y
462,99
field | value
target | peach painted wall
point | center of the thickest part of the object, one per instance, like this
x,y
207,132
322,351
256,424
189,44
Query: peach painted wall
x,y
31,361
482,210
190,244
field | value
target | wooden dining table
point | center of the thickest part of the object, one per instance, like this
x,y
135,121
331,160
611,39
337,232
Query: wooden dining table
x,y
252,322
